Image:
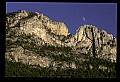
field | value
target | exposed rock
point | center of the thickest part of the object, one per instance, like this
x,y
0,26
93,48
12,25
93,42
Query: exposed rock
x,y
102,68
103,41
39,30
80,33
58,28
90,66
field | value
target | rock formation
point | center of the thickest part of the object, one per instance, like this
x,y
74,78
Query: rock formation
x,y
37,30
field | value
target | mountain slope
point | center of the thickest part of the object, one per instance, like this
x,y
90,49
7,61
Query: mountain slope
x,y
34,40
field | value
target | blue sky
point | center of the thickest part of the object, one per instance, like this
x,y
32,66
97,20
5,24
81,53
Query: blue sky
x,y
102,15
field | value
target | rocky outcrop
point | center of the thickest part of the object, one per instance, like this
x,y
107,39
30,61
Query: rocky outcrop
x,y
37,30
24,20
58,28
36,24
104,44
20,54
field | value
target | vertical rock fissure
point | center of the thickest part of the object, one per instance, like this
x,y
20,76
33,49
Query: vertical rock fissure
x,y
93,43
87,35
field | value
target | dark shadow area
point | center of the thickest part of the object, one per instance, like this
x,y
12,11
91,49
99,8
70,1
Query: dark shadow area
x,y
93,43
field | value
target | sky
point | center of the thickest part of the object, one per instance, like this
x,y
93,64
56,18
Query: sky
x,y
74,15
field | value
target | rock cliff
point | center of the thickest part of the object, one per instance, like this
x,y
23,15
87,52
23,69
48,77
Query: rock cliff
x,y
29,32
89,36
